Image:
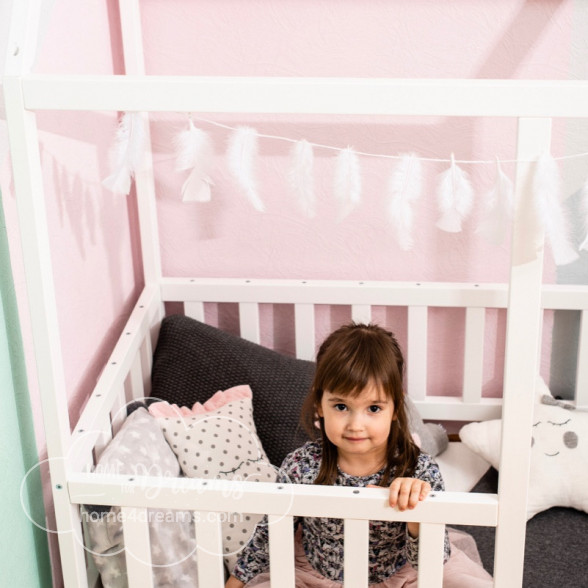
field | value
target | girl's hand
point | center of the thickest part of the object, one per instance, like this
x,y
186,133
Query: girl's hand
x,y
232,582
408,492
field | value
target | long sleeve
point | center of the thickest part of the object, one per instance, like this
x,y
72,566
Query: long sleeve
x,y
299,467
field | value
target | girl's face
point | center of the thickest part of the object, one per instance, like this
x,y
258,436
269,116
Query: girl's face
x,y
358,426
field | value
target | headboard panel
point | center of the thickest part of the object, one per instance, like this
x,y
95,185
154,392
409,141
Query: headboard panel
x,y
466,402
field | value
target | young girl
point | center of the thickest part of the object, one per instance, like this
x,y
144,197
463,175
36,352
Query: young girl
x,y
363,440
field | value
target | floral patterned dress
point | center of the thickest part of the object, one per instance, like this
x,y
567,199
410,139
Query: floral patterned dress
x,y
390,545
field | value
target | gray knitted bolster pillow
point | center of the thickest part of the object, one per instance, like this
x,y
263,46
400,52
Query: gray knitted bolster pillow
x,y
192,361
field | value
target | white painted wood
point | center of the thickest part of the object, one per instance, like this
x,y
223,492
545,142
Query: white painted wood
x,y
445,97
304,327
104,437
137,546
564,297
209,551
130,20
135,336
521,366
416,356
34,236
376,293
194,310
136,379
249,321
431,540
582,365
146,359
456,508
281,550
356,562
361,313
473,361
118,412
453,408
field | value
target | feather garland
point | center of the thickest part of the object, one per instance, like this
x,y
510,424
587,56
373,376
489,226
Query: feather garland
x,y
241,155
455,197
300,176
404,188
347,181
194,152
127,152
547,188
499,209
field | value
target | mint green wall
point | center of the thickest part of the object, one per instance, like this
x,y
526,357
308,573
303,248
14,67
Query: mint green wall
x,y
24,558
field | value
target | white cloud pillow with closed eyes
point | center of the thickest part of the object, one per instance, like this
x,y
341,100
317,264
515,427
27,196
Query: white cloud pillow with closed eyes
x,y
559,452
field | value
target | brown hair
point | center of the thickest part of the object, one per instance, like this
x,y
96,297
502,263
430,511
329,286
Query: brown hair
x,y
347,361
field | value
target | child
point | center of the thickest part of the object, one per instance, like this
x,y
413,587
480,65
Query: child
x,y
363,440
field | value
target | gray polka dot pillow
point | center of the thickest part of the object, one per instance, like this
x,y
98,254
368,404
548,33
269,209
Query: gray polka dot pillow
x,y
221,444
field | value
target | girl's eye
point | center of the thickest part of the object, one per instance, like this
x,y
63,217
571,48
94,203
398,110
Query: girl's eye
x,y
340,407
374,409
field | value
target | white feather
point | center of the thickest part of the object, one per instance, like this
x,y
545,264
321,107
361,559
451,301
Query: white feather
x,y
300,176
455,197
547,189
127,152
347,181
241,156
194,152
498,209
404,188
584,213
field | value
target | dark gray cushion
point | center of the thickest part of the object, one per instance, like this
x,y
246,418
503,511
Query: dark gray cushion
x,y
193,360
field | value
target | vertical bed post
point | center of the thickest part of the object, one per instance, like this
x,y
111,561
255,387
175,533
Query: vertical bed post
x,y
522,353
130,20
34,235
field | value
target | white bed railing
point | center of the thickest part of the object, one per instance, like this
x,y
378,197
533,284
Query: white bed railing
x,y
281,502
124,378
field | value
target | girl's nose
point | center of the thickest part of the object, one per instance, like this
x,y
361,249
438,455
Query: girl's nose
x,y
355,422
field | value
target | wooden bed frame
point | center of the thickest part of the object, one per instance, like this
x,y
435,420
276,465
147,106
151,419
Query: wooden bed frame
x,y
126,374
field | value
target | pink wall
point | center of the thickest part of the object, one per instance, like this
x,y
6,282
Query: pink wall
x,y
93,243
96,277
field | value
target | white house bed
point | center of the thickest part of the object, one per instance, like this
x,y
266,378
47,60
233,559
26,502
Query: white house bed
x,y
127,374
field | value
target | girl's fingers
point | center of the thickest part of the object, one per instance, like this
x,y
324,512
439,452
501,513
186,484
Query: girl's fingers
x,y
407,492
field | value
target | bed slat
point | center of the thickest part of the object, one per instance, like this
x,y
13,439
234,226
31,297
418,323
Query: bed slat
x,y
194,310
118,412
281,550
146,355
431,539
104,438
137,546
356,562
209,549
249,321
361,313
136,380
305,329
417,351
473,360
582,375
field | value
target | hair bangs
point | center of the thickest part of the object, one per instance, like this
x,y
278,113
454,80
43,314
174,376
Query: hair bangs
x,y
350,370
